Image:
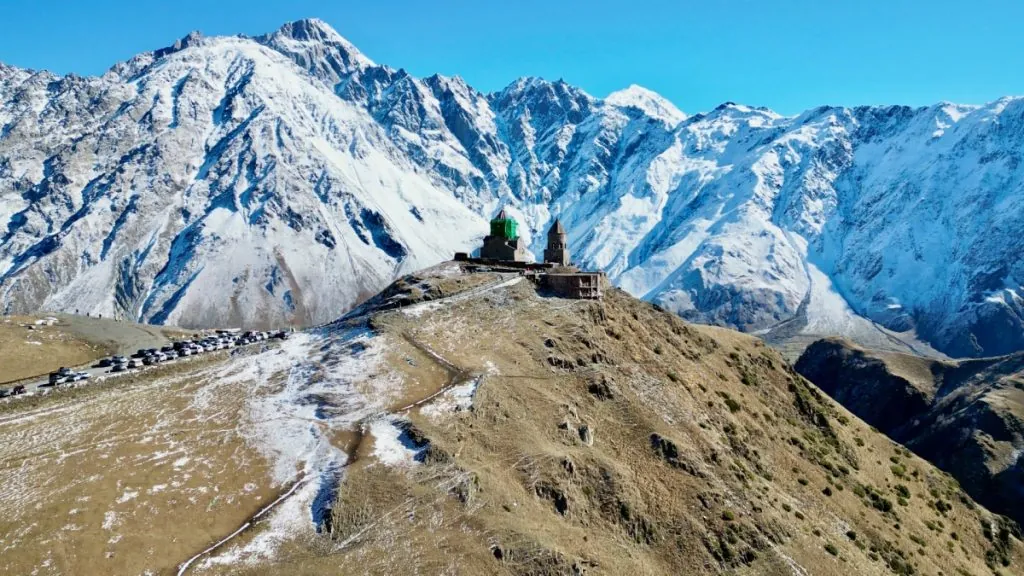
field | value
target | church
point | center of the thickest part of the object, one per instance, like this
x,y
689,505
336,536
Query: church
x,y
505,244
504,248
557,251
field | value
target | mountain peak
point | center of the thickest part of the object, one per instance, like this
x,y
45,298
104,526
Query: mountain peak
x,y
310,29
189,40
314,45
647,101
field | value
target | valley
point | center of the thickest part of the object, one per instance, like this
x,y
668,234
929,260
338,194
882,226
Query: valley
x,y
965,416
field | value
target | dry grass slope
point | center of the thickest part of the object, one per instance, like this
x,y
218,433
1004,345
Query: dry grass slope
x,y
965,416
125,476
28,350
603,438
613,438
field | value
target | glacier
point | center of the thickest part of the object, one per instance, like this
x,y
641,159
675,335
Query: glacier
x,y
282,178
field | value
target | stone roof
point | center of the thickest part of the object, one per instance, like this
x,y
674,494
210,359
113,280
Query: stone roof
x,y
556,228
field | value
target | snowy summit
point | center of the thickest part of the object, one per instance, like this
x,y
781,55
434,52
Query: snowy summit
x,y
648,102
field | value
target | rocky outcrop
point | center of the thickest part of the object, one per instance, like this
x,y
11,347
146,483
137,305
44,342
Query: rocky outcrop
x,y
880,397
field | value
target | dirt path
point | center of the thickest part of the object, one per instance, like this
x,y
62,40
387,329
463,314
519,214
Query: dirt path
x,y
456,376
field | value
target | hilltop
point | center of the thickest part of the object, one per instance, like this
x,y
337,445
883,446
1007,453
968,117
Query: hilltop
x,y
465,423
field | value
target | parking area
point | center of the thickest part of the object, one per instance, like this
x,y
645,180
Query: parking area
x,y
120,364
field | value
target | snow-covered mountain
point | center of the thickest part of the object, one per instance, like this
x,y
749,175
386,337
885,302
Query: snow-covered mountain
x,y
250,180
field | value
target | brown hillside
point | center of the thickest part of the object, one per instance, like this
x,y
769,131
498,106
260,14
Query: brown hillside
x,y
613,438
465,424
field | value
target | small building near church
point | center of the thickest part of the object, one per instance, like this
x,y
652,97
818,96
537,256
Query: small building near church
x,y
579,285
504,243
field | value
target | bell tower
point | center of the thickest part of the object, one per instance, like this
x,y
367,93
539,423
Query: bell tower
x,y
557,251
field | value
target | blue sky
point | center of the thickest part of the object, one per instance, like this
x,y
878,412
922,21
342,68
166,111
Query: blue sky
x,y
787,55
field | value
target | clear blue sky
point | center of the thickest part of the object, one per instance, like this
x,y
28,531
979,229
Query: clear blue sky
x,y
788,55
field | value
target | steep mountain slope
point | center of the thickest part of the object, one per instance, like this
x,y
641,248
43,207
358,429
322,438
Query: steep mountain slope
x,y
295,173
967,417
466,424
210,183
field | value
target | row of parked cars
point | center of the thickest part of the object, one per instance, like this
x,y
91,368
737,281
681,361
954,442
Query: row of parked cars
x,y
223,340
66,376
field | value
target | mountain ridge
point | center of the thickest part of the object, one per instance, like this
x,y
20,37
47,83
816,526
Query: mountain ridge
x,y
737,216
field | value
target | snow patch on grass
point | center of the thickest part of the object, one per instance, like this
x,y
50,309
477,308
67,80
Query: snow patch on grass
x,y
110,520
393,445
286,521
127,495
315,385
455,399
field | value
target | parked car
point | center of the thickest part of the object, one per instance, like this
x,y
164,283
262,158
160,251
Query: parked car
x,y
119,368
18,390
79,376
184,352
167,349
149,360
118,359
133,363
106,363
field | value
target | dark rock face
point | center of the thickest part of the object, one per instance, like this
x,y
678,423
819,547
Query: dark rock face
x,y
968,419
863,384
